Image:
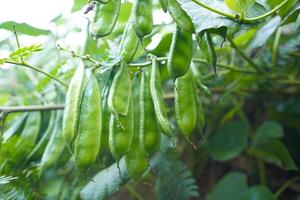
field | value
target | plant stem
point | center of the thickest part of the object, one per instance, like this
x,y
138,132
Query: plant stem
x,y
214,10
241,18
267,14
286,185
245,57
134,193
38,70
275,47
262,171
12,109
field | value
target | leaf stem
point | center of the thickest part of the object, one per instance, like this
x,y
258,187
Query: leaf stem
x,y
245,57
215,10
38,70
267,14
134,193
275,47
286,185
12,109
262,171
240,18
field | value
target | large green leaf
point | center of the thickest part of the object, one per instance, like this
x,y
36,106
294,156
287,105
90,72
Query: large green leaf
x,y
273,151
239,6
266,131
231,186
106,182
229,142
259,192
265,32
24,28
204,19
79,4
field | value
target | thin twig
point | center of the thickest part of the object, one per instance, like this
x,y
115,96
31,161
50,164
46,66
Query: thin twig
x,y
38,70
286,185
12,109
245,57
17,39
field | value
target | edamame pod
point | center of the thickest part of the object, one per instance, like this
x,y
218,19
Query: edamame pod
x,y
136,162
158,101
149,130
142,19
72,105
104,18
87,141
129,42
185,104
180,16
180,55
121,130
119,98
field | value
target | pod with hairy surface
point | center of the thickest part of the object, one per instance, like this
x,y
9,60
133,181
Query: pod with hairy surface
x,y
180,55
72,105
142,19
87,141
149,130
119,98
104,17
185,104
129,42
158,101
136,162
180,16
121,130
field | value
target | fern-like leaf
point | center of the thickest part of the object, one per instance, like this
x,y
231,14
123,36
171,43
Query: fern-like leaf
x,y
175,181
25,51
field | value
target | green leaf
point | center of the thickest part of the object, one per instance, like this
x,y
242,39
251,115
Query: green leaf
x,y
25,51
79,4
239,6
259,192
273,151
229,142
231,186
204,19
175,184
24,28
265,32
266,131
106,182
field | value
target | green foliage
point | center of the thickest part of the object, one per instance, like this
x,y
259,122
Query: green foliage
x,y
229,142
224,188
177,183
24,28
106,182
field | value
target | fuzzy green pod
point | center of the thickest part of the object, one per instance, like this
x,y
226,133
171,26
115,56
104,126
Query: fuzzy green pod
x,y
180,55
149,129
185,104
104,17
158,101
136,162
119,98
121,130
72,106
142,19
87,141
180,17
129,42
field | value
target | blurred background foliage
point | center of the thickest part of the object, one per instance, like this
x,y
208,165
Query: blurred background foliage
x,y
249,148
